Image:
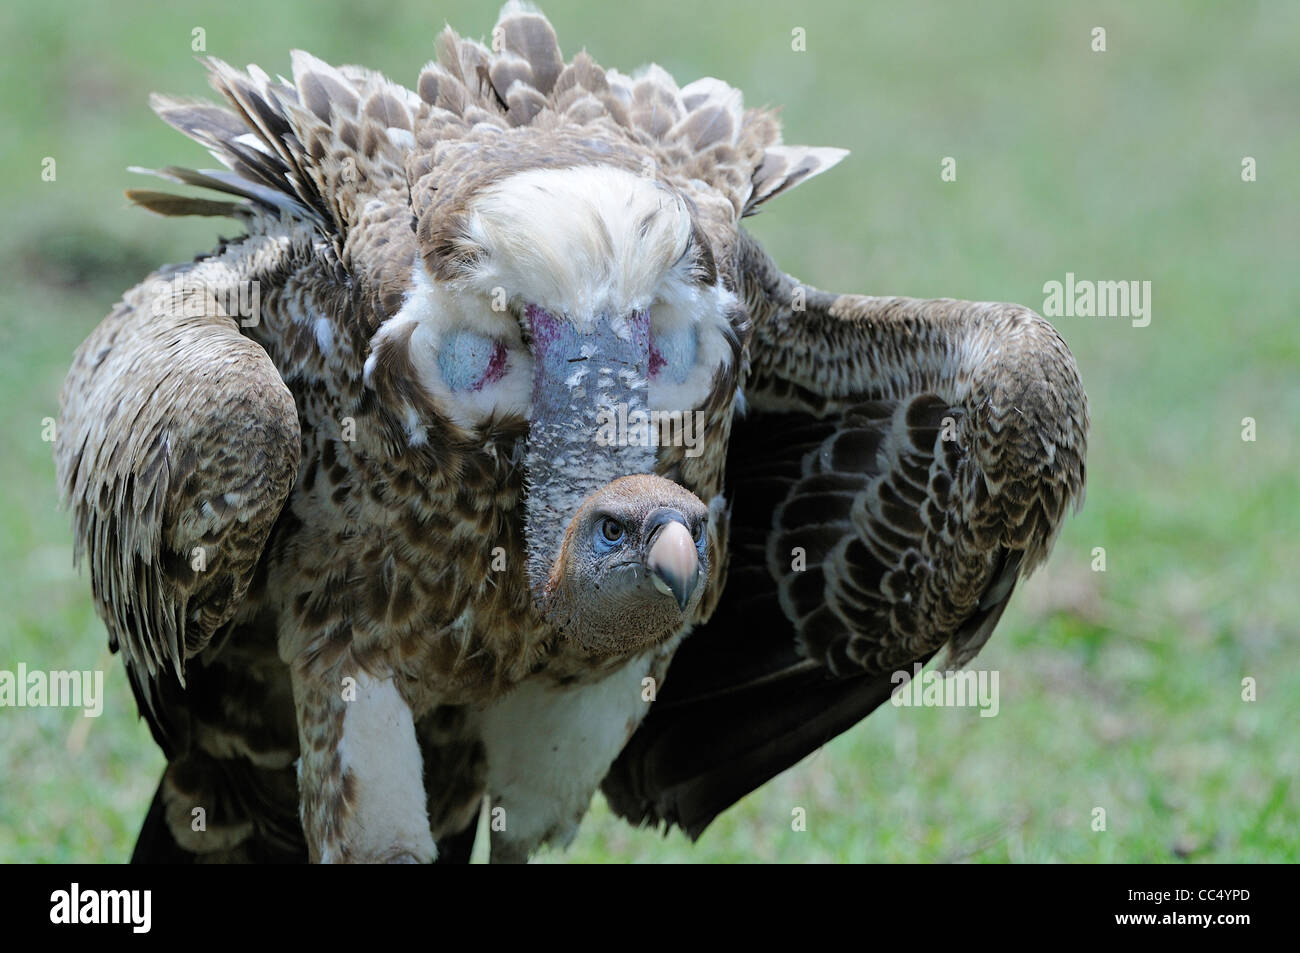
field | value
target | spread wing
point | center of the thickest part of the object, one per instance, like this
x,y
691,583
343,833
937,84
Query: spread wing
x,y
903,463
177,446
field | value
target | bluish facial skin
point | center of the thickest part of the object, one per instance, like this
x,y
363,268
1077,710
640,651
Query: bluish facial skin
x,y
633,568
469,361
673,356
632,553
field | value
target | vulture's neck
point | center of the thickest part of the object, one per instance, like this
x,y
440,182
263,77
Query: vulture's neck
x,y
579,377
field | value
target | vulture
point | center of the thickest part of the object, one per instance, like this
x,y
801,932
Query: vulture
x,y
494,463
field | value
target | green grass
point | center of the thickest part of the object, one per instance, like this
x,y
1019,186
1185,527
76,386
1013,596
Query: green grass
x,y
1120,690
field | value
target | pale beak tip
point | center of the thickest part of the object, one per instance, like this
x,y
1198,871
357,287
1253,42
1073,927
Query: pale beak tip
x,y
674,564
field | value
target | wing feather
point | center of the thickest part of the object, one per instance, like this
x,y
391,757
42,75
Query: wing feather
x,y
903,464
177,445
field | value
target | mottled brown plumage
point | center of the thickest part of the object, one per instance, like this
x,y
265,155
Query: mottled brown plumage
x,y
323,476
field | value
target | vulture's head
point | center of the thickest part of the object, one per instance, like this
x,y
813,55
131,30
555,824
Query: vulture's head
x,y
584,298
632,566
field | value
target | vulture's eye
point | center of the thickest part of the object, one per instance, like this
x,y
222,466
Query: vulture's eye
x,y
611,530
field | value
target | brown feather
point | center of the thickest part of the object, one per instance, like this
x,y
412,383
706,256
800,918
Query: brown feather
x,y
342,547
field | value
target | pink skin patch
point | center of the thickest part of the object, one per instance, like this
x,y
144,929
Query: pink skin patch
x,y
557,342
673,355
545,326
469,361
495,370
639,324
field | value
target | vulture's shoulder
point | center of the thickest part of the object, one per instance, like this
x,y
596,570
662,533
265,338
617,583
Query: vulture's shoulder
x,y
902,465
177,446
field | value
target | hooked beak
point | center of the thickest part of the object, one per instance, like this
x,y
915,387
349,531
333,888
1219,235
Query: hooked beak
x,y
672,561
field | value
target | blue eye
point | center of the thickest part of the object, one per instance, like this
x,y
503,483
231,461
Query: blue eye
x,y
609,533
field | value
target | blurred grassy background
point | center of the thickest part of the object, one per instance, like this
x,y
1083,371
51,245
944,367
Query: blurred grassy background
x,y
1120,690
